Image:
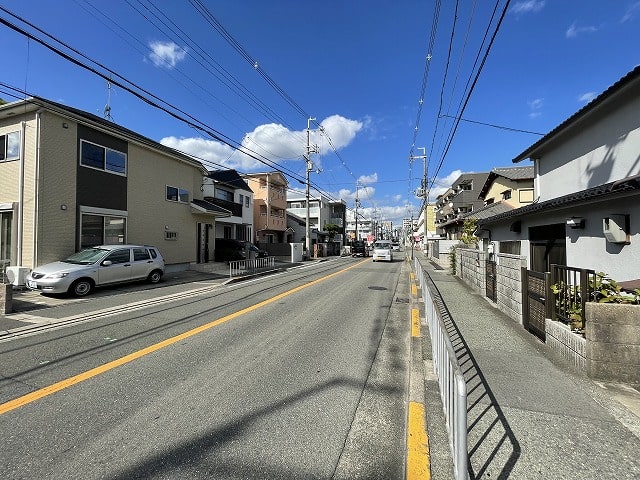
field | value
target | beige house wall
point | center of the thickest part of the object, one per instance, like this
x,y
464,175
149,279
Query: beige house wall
x,y
151,214
55,208
521,192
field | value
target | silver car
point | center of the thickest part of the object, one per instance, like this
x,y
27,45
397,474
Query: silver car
x,y
97,266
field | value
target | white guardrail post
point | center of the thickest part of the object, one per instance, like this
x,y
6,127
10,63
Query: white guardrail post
x,y
453,388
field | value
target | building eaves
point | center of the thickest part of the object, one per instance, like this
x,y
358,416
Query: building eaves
x,y
630,78
601,192
510,173
229,177
113,128
488,211
203,206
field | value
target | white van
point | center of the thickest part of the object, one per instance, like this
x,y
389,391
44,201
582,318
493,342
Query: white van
x,y
382,250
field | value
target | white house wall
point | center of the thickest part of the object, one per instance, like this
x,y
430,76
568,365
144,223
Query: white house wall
x,y
601,151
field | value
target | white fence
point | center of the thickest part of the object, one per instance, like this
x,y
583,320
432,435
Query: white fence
x,y
453,388
239,268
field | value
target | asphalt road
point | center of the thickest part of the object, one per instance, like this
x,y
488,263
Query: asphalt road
x,y
297,375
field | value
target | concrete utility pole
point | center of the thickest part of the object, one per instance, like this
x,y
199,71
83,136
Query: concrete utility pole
x,y
309,167
421,192
357,205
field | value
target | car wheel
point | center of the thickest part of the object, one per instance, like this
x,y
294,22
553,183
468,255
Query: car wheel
x,y
155,276
81,287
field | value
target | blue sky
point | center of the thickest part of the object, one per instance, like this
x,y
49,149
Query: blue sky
x,y
376,75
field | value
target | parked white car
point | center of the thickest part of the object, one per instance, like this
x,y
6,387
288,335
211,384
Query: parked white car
x,y
96,266
382,250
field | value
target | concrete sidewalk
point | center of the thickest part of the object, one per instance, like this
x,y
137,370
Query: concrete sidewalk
x,y
530,416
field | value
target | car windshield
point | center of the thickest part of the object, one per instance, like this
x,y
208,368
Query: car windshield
x,y
86,256
381,245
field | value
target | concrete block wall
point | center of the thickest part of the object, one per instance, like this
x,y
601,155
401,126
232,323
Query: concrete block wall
x,y
509,284
613,342
470,267
569,346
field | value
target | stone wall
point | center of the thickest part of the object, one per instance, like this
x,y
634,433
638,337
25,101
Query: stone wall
x,y
6,298
613,342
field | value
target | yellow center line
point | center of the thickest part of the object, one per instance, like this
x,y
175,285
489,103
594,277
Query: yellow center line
x,y
68,382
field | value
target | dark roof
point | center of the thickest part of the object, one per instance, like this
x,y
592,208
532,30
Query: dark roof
x,y
488,211
211,208
628,79
230,177
106,124
601,192
510,173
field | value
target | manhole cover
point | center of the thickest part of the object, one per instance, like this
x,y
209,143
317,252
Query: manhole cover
x,y
377,288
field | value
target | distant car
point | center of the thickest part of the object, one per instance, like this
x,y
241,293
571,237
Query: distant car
x,y
257,253
395,246
382,250
359,249
229,249
91,267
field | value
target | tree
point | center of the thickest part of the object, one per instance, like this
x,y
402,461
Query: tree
x,y
469,226
331,230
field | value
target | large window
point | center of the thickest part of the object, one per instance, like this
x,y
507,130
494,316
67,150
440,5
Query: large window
x,y
10,146
102,158
102,230
175,194
224,195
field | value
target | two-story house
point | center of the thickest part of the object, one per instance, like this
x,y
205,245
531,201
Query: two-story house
x,y
586,212
269,205
460,199
70,179
228,190
322,211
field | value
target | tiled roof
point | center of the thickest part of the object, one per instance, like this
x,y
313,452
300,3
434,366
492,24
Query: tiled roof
x,y
489,211
601,192
230,177
511,173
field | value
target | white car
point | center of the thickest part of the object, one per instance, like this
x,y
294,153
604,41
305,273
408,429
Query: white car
x,y
97,266
382,250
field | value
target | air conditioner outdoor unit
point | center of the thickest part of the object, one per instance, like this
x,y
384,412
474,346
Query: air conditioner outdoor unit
x,y
17,276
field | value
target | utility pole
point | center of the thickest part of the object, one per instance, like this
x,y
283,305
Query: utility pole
x,y
357,205
421,192
309,167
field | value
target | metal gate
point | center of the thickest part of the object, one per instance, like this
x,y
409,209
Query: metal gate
x,y
534,304
491,281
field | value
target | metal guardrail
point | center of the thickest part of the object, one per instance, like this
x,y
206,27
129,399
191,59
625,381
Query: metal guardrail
x,y
453,388
238,268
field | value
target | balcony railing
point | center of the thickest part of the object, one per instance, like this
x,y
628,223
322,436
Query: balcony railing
x,y
234,208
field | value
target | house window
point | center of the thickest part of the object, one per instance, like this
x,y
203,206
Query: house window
x,y
224,195
246,201
506,195
10,146
175,194
102,158
102,230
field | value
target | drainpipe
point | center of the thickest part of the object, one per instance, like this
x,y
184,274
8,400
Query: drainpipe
x,y
21,193
36,197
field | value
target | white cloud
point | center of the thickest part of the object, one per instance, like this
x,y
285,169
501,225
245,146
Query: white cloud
x,y
527,6
631,12
573,31
270,142
535,106
166,54
366,179
587,97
